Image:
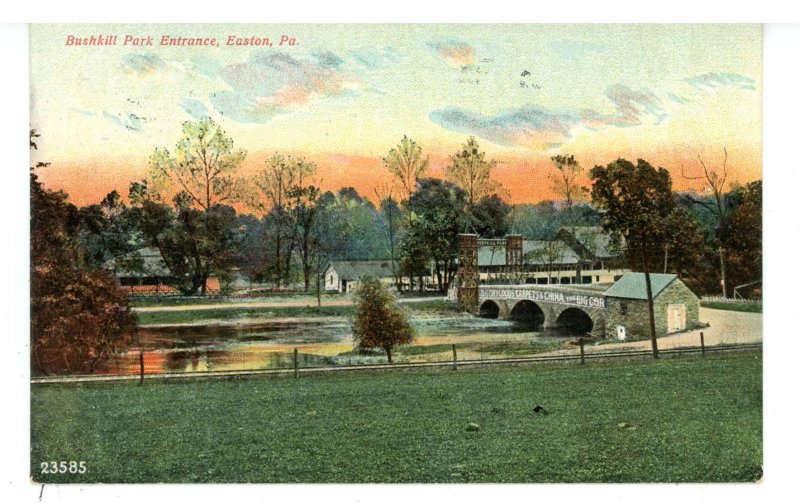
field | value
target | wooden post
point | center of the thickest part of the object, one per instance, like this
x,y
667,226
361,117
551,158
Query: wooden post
x,y
296,369
455,358
580,341
702,344
141,367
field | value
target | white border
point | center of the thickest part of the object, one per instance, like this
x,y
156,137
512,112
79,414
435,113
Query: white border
x,y
781,166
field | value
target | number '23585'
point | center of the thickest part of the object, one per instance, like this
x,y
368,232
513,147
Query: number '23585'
x,y
62,467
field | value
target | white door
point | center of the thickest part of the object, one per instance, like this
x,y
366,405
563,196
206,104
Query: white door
x,y
676,317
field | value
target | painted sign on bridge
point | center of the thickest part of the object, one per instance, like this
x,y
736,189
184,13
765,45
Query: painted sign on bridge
x,y
552,296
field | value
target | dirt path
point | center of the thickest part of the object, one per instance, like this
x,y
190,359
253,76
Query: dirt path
x,y
726,327
245,305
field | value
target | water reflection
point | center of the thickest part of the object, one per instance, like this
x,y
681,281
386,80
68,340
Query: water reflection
x,y
319,342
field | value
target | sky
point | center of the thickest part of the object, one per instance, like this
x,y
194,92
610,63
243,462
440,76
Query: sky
x,y
343,95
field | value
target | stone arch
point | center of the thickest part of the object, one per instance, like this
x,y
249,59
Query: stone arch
x,y
527,311
489,309
575,319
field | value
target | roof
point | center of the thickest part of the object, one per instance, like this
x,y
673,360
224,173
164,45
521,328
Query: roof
x,y
350,270
533,252
632,285
594,239
141,263
548,253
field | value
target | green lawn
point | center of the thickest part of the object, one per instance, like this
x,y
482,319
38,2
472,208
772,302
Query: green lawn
x,y
673,420
745,307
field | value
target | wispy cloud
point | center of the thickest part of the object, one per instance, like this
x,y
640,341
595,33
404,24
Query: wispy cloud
x,y
525,126
194,107
87,113
373,58
677,99
128,121
709,81
542,129
144,64
632,106
270,83
456,53
327,59
574,49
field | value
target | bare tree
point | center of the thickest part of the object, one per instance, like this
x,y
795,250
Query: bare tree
x,y
280,180
714,180
470,171
567,183
390,210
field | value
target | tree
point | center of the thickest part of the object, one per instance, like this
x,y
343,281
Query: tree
x,y
567,184
635,200
79,317
715,179
436,218
744,241
283,179
392,223
470,171
202,170
491,217
202,166
379,322
405,162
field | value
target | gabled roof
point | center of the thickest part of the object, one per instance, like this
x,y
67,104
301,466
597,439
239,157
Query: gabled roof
x,y
594,239
632,285
533,253
351,270
548,253
141,263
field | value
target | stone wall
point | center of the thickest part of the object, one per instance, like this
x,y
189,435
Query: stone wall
x,y
633,314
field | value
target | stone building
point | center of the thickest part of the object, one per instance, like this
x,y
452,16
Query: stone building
x,y
676,308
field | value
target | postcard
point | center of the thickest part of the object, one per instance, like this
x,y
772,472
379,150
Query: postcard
x,y
396,253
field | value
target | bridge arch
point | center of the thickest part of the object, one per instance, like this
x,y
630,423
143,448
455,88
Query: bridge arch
x,y
527,311
575,319
489,309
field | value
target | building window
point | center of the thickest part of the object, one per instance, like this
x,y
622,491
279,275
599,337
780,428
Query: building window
x,y
623,308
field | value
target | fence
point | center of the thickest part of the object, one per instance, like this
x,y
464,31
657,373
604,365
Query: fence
x,y
729,300
579,356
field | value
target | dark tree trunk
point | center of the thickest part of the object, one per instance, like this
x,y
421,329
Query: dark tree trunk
x,y
650,309
388,353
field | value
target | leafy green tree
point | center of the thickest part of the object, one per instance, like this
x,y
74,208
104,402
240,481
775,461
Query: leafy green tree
x,y
744,241
436,218
405,162
379,322
491,217
635,200
202,170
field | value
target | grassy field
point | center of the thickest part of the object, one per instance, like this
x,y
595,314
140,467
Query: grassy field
x,y
674,420
744,307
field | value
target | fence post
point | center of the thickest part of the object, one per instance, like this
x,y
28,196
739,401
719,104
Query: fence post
x,y
580,341
702,345
296,369
141,367
455,358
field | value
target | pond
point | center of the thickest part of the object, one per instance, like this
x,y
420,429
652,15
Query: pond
x,y
322,342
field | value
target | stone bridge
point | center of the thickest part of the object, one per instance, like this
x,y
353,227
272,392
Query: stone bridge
x,y
580,308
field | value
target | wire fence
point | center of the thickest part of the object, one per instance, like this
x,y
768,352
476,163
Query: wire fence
x,y
298,368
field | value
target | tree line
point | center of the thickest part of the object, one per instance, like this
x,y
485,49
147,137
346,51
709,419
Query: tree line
x,y
186,209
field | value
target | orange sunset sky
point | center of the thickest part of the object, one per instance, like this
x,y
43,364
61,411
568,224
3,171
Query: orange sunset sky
x,y
343,95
